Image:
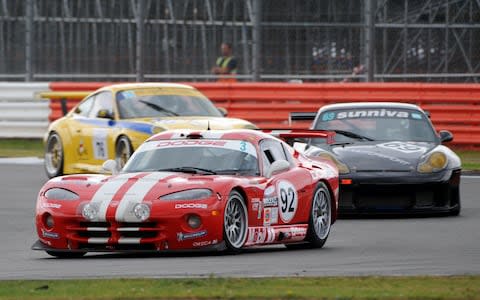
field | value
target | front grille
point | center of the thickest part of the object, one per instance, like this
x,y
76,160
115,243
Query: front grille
x,y
394,197
116,230
383,201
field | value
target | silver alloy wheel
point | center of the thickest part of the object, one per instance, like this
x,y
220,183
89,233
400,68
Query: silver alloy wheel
x,y
235,221
321,214
54,156
123,151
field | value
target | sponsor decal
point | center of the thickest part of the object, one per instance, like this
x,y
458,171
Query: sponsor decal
x,y
100,146
190,205
403,147
204,243
181,236
372,113
328,116
274,215
81,148
271,201
228,144
260,235
270,216
267,216
190,143
294,232
255,204
51,205
288,200
50,235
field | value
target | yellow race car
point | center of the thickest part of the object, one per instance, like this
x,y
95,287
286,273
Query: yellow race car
x,y
113,121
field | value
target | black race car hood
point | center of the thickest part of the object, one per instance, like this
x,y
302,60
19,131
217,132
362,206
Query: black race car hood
x,y
381,156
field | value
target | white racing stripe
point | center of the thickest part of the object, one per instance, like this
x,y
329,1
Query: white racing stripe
x,y
135,195
105,194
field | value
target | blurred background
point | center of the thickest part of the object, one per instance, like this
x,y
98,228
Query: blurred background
x,y
273,40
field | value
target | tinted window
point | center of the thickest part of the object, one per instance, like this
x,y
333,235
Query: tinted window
x,y
103,101
222,157
383,124
85,106
163,102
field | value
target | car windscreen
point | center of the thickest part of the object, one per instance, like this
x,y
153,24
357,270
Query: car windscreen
x,y
233,157
163,102
379,124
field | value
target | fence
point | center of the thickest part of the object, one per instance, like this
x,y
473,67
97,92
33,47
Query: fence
x,y
173,40
454,107
20,114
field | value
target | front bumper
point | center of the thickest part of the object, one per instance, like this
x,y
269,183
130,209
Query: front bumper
x,y
399,193
163,231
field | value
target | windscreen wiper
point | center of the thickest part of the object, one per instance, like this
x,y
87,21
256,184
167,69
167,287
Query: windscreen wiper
x,y
193,170
159,108
237,171
352,135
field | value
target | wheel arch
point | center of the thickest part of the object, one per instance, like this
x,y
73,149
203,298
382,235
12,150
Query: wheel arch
x,y
332,197
242,193
66,154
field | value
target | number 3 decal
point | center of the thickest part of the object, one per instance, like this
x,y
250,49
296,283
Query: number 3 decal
x,y
288,200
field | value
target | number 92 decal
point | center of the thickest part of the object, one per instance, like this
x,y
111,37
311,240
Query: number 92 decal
x,y
288,200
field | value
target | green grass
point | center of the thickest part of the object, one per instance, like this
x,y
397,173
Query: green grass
x,y
21,147
371,287
470,159
34,147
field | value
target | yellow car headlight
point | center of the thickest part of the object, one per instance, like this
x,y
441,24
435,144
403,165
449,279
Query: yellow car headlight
x,y
434,162
342,168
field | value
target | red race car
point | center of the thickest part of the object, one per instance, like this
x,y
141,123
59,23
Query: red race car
x,y
190,190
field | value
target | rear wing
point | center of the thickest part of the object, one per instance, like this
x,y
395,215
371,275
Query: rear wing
x,y
291,135
301,116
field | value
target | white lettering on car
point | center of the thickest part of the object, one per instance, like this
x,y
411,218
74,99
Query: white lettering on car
x,y
190,205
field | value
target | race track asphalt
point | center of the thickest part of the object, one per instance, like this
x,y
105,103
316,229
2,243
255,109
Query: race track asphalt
x,y
401,246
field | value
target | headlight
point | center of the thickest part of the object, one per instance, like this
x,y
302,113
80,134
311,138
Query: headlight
x,y
433,162
60,194
90,211
342,168
141,211
194,194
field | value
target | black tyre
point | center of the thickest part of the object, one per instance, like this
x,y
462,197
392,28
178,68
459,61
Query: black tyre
x,y
61,254
235,222
54,156
123,151
320,217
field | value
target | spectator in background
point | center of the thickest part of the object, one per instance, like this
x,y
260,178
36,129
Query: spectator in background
x,y
358,70
226,65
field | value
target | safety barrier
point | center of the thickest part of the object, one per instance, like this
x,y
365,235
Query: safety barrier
x,y
454,107
21,114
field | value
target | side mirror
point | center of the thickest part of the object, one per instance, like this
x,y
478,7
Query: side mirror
x,y
111,166
278,166
104,114
223,111
445,136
